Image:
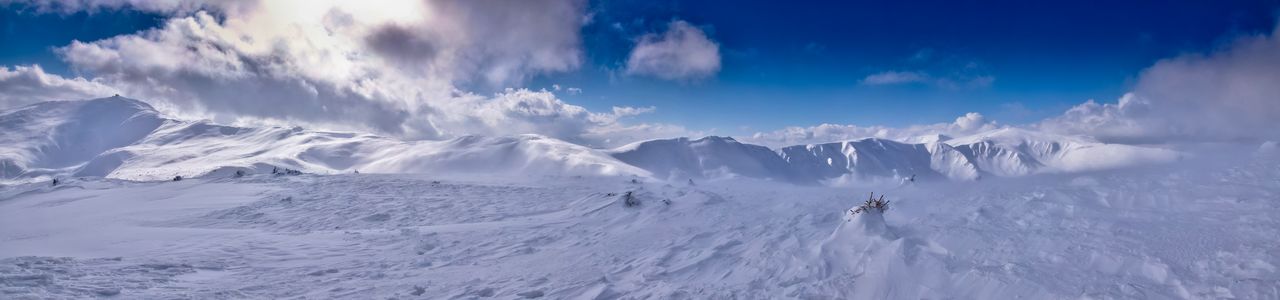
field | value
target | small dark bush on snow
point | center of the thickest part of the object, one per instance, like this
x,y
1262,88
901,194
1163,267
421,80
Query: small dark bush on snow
x,y
873,204
630,200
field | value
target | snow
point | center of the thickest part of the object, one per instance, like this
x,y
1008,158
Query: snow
x,y
871,158
123,138
709,157
53,137
1170,232
126,139
1017,152
1004,214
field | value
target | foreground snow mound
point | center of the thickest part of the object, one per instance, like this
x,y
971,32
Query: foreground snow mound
x,y
1018,152
865,258
60,136
708,157
123,138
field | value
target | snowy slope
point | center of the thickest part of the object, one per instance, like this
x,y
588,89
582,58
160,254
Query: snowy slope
x,y
57,137
1171,232
193,149
518,156
123,138
708,157
1017,152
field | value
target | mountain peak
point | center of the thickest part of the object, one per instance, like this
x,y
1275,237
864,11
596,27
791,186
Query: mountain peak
x,y
713,138
123,101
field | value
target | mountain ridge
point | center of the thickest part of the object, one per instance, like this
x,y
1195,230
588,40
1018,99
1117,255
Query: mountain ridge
x,y
124,138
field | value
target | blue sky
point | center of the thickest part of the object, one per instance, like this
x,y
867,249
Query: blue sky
x,y
799,64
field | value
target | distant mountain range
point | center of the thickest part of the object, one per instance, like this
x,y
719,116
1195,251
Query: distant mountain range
x,y
123,138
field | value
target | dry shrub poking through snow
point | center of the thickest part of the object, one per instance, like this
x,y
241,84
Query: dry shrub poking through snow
x,y
878,205
630,200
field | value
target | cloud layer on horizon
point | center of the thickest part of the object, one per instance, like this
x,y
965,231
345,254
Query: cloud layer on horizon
x,y
1230,94
966,124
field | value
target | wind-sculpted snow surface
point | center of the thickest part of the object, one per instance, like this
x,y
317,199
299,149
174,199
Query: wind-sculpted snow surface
x,y
1168,232
57,137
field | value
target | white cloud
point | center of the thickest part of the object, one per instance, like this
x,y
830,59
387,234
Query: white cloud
x,y
1113,122
683,52
21,85
920,77
206,68
393,68
969,123
1229,94
499,42
894,77
627,111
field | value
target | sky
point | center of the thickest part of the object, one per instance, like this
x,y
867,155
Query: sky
x,y
604,73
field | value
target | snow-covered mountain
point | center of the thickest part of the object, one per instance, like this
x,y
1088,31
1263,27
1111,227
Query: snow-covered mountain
x,y
872,157
123,138
1006,152
59,137
1016,152
117,137
708,157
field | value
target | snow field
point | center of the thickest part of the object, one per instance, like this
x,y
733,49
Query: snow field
x,y
1167,232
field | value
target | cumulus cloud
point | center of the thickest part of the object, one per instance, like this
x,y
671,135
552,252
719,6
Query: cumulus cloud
x,y
396,68
1228,94
21,85
227,73
681,53
967,124
498,42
